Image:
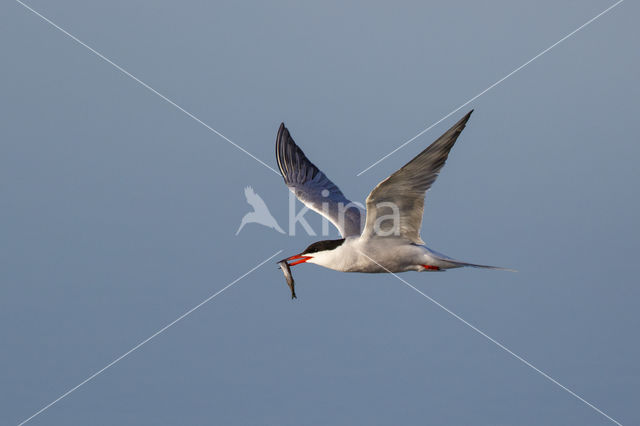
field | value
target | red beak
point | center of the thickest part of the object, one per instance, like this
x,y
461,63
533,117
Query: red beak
x,y
299,259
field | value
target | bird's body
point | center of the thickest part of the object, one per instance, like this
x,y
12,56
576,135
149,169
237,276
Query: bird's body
x,y
358,254
389,239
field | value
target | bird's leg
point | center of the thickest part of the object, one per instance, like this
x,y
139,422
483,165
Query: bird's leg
x,y
430,267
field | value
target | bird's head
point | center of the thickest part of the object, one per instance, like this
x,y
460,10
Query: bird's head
x,y
315,252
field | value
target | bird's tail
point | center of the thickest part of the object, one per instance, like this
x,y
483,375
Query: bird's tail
x,y
453,263
475,265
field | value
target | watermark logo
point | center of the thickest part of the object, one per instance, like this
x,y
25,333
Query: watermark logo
x,y
386,219
260,213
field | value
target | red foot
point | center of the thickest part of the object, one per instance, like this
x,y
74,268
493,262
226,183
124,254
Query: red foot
x,y
431,268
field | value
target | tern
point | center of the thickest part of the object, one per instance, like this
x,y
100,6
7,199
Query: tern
x,y
390,239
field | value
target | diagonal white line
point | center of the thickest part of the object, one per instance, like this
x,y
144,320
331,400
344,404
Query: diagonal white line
x,y
145,85
494,341
136,347
492,86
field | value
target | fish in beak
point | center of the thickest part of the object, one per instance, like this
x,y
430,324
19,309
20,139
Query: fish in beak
x,y
287,274
286,269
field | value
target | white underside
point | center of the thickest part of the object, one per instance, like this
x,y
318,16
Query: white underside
x,y
377,255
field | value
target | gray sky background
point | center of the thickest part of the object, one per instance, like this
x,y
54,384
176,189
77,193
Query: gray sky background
x,y
118,213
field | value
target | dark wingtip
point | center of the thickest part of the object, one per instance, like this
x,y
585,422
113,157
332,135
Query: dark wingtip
x,y
463,122
283,132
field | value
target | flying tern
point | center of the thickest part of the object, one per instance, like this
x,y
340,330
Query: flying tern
x,y
390,239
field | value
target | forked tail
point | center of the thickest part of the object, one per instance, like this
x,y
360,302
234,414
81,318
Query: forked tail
x,y
475,265
453,263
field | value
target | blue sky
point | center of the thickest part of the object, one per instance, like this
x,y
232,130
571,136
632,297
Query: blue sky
x,y
119,213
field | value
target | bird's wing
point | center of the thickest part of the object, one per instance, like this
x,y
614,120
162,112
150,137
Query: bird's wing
x,y
313,188
401,195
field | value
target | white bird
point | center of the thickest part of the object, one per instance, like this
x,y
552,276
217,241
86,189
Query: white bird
x,y
390,240
260,213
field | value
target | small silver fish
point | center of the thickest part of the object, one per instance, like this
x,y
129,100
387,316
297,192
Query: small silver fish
x,y
287,274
